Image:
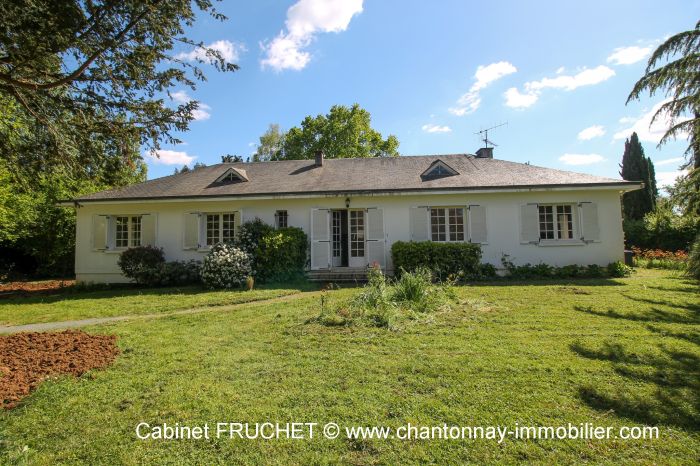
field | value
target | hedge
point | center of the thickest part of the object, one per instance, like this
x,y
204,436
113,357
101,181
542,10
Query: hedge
x,y
277,254
442,259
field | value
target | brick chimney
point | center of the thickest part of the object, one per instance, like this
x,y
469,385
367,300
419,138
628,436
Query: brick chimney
x,y
319,158
485,153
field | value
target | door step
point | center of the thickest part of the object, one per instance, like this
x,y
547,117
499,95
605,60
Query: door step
x,y
333,276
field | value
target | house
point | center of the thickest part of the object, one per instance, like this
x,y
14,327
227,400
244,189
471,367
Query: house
x,y
353,210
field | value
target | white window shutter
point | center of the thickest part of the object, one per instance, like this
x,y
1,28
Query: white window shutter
x,y
477,224
148,229
99,232
590,230
320,239
376,240
375,224
111,232
237,220
419,224
529,224
190,237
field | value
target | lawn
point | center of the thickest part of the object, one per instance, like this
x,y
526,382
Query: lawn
x,y
75,304
615,353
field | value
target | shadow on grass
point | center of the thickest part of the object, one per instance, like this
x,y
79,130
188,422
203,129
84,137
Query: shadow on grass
x,y
72,293
654,315
547,282
669,381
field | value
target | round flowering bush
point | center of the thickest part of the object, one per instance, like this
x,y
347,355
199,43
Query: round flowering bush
x,y
225,267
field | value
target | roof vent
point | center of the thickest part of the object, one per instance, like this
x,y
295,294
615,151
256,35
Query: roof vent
x,y
438,169
319,158
484,153
232,175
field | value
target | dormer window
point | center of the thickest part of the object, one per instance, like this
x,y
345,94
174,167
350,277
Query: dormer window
x,y
438,169
232,175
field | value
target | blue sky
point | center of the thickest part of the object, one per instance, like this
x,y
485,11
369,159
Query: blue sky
x,y
434,73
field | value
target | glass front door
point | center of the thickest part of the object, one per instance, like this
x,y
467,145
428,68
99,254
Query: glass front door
x,y
357,238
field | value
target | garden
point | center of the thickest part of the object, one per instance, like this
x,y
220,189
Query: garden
x,y
614,351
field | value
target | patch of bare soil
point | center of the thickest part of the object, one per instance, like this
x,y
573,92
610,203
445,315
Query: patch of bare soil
x,y
23,288
27,359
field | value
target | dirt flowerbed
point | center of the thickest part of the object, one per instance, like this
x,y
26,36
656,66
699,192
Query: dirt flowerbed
x,y
27,359
22,288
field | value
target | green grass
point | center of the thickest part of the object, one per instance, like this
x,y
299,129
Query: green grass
x,y
75,304
616,353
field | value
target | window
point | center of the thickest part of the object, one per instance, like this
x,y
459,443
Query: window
x,y
127,233
357,233
438,169
337,232
447,224
556,222
227,227
281,219
220,228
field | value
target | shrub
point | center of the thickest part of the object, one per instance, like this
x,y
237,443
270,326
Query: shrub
x,y
382,303
141,264
250,235
618,270
280,255
225,266
594,271
442,259
275,254
528,271
693,269
660,259
661,229
487,271
179,273
413,287
375,293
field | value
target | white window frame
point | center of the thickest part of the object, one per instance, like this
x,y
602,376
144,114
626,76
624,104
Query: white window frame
x,y
575,236
278,216
130,232
446,217
220,234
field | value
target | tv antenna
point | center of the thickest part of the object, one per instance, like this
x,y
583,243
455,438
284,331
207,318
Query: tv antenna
x,y
484,135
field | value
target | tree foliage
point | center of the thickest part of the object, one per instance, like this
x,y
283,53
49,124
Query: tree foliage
x,y
271,145
91,74
674,69
636,166
343,133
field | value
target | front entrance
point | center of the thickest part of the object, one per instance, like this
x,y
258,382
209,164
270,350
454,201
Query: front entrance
x,y
352,238
348,238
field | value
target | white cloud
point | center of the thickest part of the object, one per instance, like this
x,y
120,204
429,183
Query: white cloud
x,y
533,89
230,52
591,132
203,111
668,178
560,70
515,99
485,75
169,157
431,128
628,55
581,159
674,160
586,77
645,129
305,19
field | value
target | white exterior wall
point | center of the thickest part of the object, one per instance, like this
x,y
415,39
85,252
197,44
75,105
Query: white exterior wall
x,y
502,218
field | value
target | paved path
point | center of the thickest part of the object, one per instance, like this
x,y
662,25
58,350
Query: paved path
x,y
44,326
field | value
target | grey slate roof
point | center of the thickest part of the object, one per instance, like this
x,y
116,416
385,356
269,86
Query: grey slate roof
x,y
291,177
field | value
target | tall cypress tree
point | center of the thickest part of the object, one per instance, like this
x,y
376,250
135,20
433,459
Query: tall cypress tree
x,y
636,167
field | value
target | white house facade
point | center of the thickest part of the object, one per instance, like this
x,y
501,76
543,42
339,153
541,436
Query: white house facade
x,y
353,210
